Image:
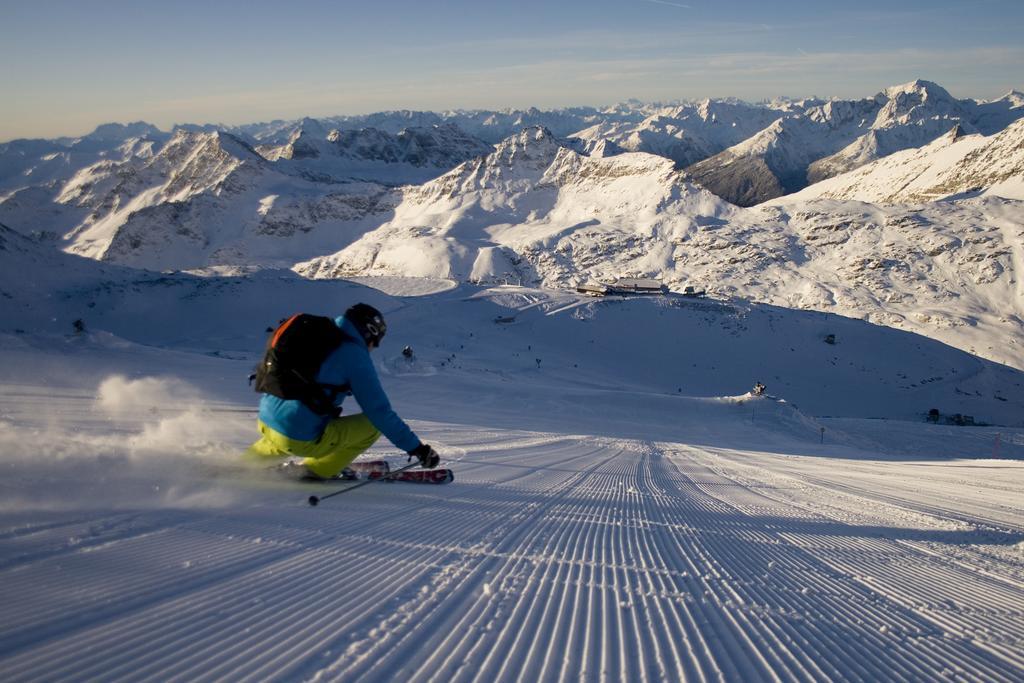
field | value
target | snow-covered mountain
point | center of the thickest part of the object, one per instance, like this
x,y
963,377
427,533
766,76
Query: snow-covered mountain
x,y
534,210
206,199
838,136
743,152
492,126
685,134
36,163
414,155
954,164
192,172
538,212
557,212
994,115
911,115
211,199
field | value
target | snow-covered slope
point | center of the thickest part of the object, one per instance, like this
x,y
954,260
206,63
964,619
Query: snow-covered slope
x,y
954,164
621,508
674,345
605,521
36,279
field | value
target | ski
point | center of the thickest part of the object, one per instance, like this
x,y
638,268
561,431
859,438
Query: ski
x,y
380,469
437,476
370,466
404,474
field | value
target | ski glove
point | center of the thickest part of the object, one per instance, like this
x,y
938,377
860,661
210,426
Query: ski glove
x,y
428,457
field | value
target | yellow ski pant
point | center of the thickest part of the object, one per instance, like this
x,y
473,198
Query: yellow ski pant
x,y
342,441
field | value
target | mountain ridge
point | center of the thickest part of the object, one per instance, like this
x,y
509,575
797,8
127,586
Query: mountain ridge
x,y
838,136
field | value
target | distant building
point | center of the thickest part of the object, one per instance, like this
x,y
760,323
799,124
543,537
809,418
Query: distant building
x,y
593,289
636,285
623,285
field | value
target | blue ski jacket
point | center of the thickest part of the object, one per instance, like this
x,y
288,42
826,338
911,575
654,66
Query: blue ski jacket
x,y
350,365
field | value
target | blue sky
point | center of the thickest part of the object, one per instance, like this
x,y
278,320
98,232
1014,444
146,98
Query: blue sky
x,y
67,66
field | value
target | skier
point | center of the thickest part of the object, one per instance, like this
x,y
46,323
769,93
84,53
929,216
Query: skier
x,y
325,444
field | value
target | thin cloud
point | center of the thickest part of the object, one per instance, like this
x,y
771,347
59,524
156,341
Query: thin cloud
x,y
670,4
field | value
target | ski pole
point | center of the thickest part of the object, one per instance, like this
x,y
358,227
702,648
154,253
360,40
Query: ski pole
x,y
315,500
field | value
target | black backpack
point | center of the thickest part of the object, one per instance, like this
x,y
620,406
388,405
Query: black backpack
x,y
293,358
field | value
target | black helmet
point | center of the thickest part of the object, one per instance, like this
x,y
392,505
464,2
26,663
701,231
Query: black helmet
x,y
369,321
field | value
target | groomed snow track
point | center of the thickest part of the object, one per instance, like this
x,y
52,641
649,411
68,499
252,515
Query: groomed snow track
x,y
551,557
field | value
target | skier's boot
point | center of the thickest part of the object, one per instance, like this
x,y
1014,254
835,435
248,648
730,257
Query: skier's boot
x,y
346,474
295,470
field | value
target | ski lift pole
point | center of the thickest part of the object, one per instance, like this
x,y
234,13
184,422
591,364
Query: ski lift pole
x,y
315,500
